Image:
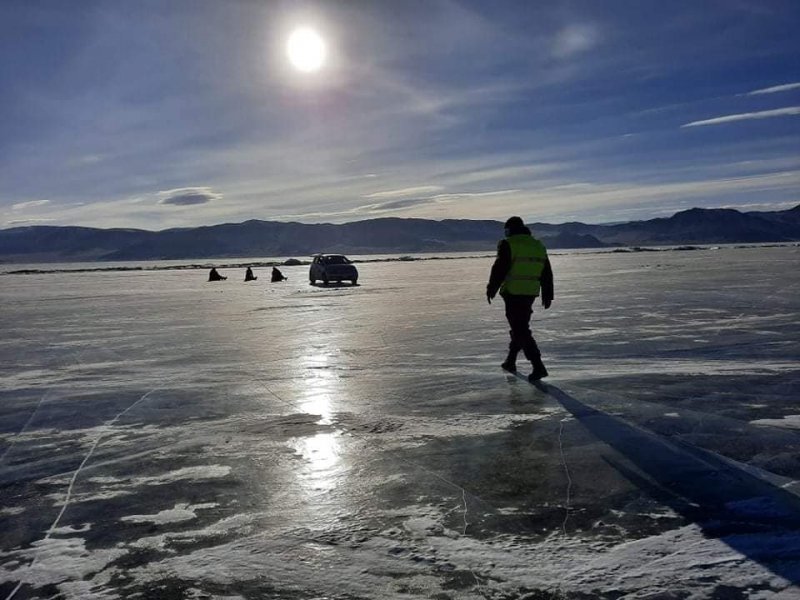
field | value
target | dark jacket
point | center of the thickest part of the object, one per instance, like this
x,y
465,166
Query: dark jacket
x,y
214,276
502,265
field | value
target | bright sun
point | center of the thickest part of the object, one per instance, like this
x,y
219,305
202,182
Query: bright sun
x,y
306,50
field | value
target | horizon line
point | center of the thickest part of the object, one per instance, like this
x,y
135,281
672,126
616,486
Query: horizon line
x,y
527,222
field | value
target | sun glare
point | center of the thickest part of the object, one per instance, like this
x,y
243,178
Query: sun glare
x,y
306,50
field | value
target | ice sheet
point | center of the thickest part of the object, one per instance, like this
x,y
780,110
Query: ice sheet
x,y
167,436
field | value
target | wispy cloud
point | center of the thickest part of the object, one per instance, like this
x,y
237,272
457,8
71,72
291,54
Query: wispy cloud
x,y
391,205
575,39
423,206
552,202
27,221
394,205
775,89
762,206
465,195
764,114
19,206
403,192
188,196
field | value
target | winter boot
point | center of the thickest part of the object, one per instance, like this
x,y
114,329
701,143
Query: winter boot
x,y
510,363
539,370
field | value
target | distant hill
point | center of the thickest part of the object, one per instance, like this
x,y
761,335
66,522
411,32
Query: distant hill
x,y
380,236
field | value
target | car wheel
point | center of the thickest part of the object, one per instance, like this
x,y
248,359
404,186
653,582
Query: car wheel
x,y
312,280
354,281
325,280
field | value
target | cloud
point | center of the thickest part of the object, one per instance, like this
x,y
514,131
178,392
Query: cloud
x,y
551,202
614,195
464,195
764,114
477,174
434,199
30,204
575,39
89,159
188,196
27,221
775,89
434,202
762,206
409,191
394,204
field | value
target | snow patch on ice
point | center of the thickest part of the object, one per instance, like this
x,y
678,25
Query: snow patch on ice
x,y
420,552
197,473
788,422
58,560
421,527
68,529
180,512
77,498
238,523
12,510
195,594
85,590
121,486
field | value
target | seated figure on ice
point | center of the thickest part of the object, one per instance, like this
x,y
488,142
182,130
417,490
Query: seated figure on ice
x,y
214,276
277,275
248,275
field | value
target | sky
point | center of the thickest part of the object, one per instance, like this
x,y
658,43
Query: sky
x,y
174,113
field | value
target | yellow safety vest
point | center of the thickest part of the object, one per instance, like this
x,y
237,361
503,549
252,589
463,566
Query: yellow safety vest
x,y
528,256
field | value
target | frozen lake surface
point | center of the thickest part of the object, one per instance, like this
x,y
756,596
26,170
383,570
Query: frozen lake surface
x,y
164,437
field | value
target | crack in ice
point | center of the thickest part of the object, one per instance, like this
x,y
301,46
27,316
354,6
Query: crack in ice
x,y
464,499
25,426
566,471
73,479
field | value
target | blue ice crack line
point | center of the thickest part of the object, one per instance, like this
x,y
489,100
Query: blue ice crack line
x,y
68,496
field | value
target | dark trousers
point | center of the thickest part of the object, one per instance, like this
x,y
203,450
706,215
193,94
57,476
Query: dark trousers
x,y
518,312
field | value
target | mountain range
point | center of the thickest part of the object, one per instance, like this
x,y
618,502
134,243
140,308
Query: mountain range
x,y
256,238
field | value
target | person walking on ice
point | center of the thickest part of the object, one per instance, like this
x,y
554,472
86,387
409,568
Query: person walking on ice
x,y
520,273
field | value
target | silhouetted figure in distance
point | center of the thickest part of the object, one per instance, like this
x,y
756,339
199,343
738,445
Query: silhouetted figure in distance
x,y
277,275
214,276
520,272
248,275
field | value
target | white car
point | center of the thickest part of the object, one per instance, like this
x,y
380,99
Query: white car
x,y
332,267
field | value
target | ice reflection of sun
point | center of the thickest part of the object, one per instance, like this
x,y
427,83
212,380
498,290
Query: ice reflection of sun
x,y
321,453
317,403
319,393
318,360
315,398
